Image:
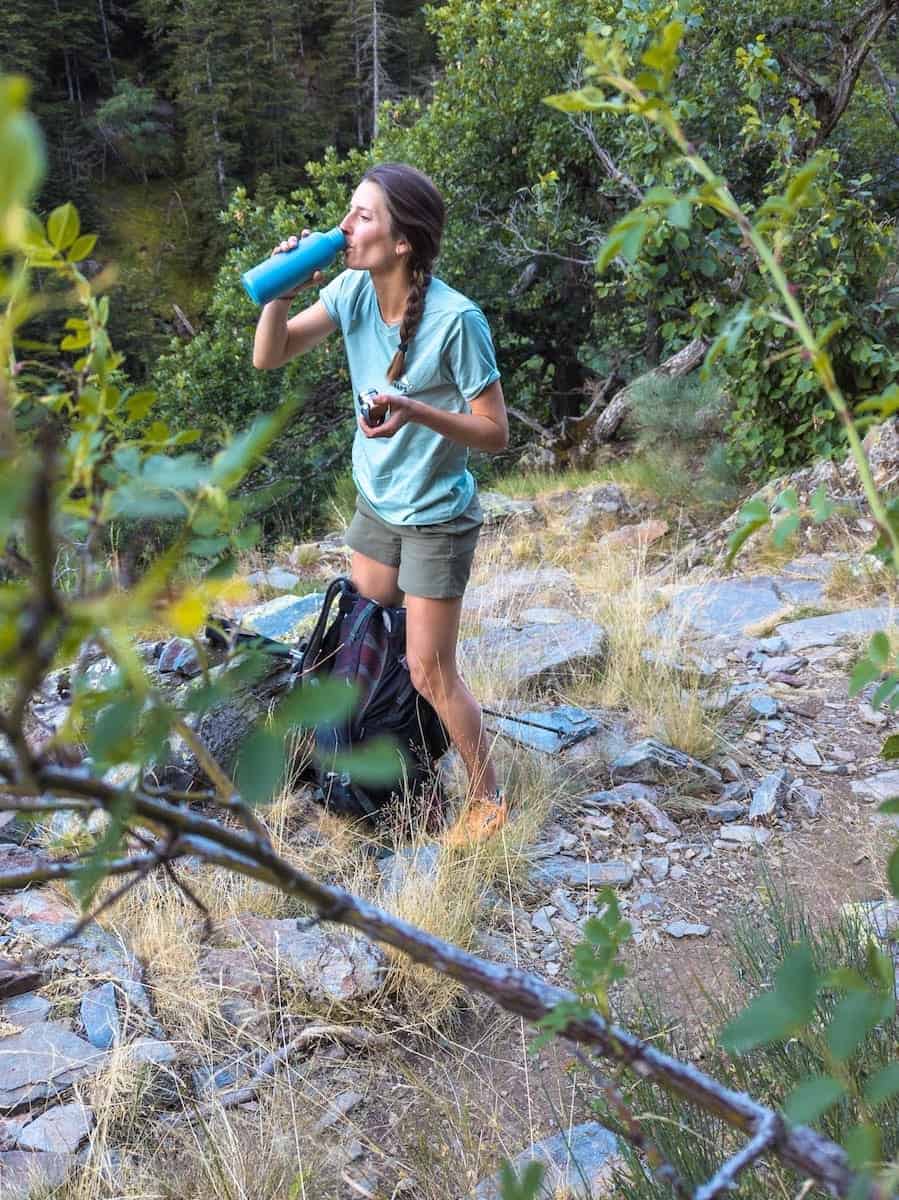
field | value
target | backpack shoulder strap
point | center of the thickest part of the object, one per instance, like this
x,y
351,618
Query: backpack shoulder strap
x,y
340,586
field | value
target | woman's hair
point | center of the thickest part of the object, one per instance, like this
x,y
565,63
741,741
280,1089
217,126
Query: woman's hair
x,y
417,213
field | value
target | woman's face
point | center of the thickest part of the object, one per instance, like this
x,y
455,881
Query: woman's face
x,y
370,244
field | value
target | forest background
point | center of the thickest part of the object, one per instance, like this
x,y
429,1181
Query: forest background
x,y
193,136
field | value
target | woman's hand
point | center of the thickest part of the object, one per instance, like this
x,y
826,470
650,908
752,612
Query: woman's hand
x,y
400,415
291,243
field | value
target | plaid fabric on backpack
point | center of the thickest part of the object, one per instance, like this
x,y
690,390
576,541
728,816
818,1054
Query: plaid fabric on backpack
x,y
365,644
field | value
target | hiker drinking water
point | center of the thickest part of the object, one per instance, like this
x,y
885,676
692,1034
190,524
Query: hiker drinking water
x,y
427,390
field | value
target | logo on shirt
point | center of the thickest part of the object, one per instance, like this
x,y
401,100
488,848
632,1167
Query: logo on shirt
x,y
401,384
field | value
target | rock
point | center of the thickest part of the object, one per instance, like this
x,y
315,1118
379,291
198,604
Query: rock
x,y
276,578
743,835
541,920
549,730
723,608
284,618
562,900
100,1016
877,788
657,868
682,929
536,655
806,752
764,705
651,761
771,645
16,979
564,870
784,664
824,631
515,587
246,984
878,917
870,716
809,800
41,1062
60,1130
94,951
677,873
415,862
15,858
151,1050
593,506
639,535
337,1110
327,964
499,509
648,902
27,1009
636,834
580,1163
24,1173
770,795
179,657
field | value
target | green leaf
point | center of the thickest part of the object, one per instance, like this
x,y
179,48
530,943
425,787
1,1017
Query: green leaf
x,y
113,736
525,1187
82,247
879,649
893,872
884,1085
886,689
378,763
582,100
853,1019
863,673
784,529
889,807
63,226
812,1098
139,404
326,703
260,766
680,213
890,748
862,1146
763,1021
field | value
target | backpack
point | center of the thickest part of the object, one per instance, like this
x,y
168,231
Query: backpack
x,y
365,645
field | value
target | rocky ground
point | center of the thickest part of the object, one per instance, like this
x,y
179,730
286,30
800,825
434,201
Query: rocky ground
x,y
389,1106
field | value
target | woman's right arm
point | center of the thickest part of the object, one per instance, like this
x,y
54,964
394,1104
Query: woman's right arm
x,y
279,340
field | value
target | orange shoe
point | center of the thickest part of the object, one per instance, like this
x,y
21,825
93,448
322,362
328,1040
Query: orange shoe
x,y
480,821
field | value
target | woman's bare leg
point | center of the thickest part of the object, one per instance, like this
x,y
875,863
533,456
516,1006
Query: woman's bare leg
x,y
432,631
374,580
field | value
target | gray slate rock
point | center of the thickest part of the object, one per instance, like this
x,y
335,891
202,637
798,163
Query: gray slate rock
x,y
586,1153
24,1173
21,858
60,1130
784,664
808,799
720,609
880,917
152,1050
651,761
409,862
100,1016
825,631
572,873
682,929
726,811
276,578
764,705
877,788
285,618
770,795
339,1107
27,1009
41,1062
328,964
744,835
806,752
499,508
657,868
511,586
539,654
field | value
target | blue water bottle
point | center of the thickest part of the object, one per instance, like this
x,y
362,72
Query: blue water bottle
x,y
281,272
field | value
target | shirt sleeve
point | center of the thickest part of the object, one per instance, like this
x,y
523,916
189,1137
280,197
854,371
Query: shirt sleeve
x,y
334,297
470,356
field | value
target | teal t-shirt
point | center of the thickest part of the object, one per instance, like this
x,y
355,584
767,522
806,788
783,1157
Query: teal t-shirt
x,y
416,477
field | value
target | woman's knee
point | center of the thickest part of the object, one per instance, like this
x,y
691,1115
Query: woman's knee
x,y
432,678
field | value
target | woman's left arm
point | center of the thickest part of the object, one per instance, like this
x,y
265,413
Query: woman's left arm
x,y
486,427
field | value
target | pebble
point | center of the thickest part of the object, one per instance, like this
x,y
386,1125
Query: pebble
x,y
541,920
563,903
677,873
742,835
871,716
657,868
770,794
764,705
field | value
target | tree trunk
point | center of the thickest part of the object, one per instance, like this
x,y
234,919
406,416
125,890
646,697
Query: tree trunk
x,y
613,414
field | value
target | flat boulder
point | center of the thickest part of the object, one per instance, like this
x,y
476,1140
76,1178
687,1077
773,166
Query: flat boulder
x,y
574,872
518,588
532,655
285,618
59,1130
834,627
720,609
24,1173
41,1062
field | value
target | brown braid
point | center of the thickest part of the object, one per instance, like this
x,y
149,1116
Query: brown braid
x,y
415,307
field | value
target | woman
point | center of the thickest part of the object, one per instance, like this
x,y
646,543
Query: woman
x,y
425,352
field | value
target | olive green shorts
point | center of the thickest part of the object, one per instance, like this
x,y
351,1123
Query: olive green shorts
x,y
434,560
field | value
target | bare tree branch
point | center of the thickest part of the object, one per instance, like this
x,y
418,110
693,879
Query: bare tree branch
x,y
584,125
890,87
